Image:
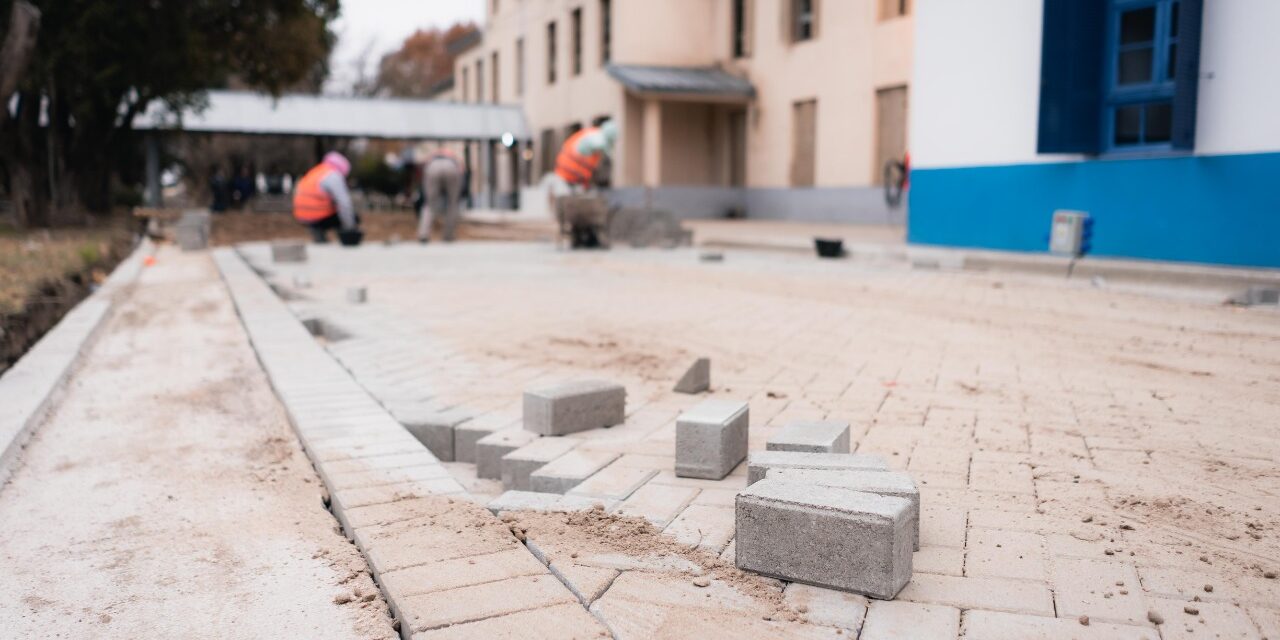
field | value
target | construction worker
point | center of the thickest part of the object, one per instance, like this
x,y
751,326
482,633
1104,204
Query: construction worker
x,y
321,199
442,177
584,158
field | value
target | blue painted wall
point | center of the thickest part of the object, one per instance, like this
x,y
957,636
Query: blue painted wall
x,y
1210,209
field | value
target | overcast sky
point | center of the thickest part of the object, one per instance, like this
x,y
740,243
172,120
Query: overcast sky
x,y
384,24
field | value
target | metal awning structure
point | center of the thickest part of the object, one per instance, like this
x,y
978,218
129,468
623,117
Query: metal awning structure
x,y
708,83
311,115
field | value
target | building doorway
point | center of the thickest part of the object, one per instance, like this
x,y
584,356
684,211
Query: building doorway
x,y
891,130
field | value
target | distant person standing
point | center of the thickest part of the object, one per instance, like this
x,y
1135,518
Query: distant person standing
x,y
220,191
321,199
442,187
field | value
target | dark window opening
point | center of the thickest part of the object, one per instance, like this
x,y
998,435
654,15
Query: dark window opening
x,y
739,28
520,67
551,53
479,80
576,21
802,20
606,31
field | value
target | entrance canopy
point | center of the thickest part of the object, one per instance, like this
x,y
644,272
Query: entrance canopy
x,y
310,115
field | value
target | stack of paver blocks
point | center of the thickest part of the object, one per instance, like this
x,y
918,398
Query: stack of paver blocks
x,y
538,457
814,513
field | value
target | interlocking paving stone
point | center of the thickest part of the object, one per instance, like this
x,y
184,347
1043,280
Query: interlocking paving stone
x,y
614,482
569,470
482,601
815,436
760,462
518,465
901,620
567,621
996,625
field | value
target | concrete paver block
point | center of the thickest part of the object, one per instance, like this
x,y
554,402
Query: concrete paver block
x,y
357,295
826,536
615,482
760,462
883,483
697,379
288,252
483,601
491,448
815,436
574,406
535,501
467,434
559,621
518,465
435,430
569,470
711,439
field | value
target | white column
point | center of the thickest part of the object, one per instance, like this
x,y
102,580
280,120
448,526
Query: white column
x,y
651,151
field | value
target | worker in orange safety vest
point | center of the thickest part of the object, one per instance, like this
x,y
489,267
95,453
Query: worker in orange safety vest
x,y
584,158
321,199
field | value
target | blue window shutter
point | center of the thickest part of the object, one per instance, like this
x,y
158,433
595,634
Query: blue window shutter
x,y
1071,76
1187,86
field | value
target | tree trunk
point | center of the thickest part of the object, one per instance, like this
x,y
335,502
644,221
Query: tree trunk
x,y
19,44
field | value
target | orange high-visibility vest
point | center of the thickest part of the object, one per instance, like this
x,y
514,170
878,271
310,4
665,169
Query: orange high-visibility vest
x,y
572,166
310,202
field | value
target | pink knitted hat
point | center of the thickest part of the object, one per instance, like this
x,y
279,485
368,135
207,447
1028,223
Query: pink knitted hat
x,y
339,162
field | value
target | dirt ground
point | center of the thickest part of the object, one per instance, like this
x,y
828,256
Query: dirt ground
x,y
379,226
166,495
43,273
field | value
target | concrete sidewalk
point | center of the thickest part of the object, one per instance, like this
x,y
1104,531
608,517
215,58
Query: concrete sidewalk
x,y
165,495
886,244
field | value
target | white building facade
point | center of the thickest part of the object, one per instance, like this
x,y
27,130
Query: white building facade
x,y
1158,118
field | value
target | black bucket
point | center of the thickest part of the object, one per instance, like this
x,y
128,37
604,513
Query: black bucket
x,y
350,237
829,247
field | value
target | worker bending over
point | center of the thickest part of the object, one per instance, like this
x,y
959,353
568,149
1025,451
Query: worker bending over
x,y
442,188
584,160
321,200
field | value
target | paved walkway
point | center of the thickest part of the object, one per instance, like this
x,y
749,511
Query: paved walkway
x,y
166,495
1083,452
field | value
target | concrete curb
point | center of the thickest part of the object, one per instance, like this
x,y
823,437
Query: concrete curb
x,y
925,256
32,386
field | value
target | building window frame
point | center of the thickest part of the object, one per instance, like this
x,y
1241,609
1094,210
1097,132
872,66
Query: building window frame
x,y
519,67
495,78
465,94
480,80
575,32
606,32
741,25
551,52
1140,102
802,20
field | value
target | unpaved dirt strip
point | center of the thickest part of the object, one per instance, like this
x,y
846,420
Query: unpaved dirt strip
x,y
166,495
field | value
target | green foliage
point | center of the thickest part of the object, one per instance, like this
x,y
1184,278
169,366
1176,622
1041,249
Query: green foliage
x,y
371,173
89,254
98,65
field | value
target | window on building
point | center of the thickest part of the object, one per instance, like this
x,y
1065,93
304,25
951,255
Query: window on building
x,y
740,44
606,31
463,90
894,8
551,53
1142,53
804,22
495,79
548,150
520,67
480,80
804,142
1119,75
575,19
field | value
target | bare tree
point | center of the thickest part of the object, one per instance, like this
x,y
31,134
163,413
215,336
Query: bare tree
x,y
19,44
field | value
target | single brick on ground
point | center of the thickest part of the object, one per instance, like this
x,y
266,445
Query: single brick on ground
x,y
289,252
434,429
569,470
814,436
761,462
574,406
711,439
883,483
518,465
491,448
826,536
357,295
697,378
